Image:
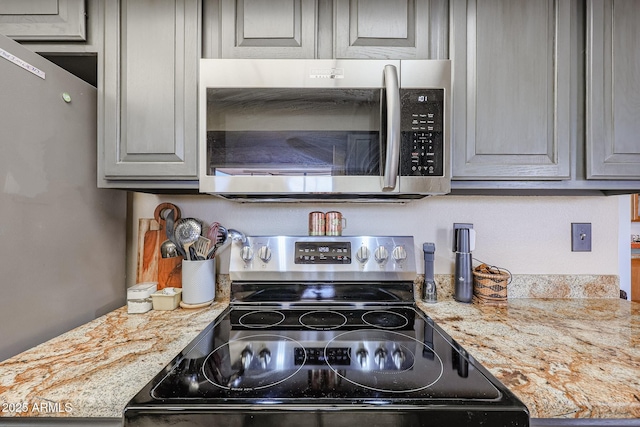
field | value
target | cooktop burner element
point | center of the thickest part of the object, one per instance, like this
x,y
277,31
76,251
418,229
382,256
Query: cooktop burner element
x,y
385,319
317,344
323,320
262,319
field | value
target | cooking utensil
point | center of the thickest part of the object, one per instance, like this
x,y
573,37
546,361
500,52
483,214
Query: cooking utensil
x,y
220,240
187,230
212,232
170,226
237,236
201,247
168,249
192,253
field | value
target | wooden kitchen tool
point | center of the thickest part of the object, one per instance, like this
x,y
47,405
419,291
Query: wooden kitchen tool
x,y
151,267
148,250
170,272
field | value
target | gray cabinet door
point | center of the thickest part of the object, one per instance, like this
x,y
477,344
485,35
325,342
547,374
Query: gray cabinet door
x,y
43,20
511,103
397,29
149,99
613,89
267,28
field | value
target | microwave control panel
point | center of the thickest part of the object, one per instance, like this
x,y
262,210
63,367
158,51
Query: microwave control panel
x,y
422,144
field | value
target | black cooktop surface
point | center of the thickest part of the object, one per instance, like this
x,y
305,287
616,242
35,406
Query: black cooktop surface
x,y
376,355
324,365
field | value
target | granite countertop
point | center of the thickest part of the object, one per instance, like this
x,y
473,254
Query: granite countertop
x,y
564,358
95,369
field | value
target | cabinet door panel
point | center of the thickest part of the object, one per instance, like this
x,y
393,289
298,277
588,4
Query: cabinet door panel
x,y
397,29
150,102
512,91
268,28
613,89
43,20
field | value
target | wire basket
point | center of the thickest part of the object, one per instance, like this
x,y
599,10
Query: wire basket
x,y
490,283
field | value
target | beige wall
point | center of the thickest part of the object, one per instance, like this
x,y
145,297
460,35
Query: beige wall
x,y
527,235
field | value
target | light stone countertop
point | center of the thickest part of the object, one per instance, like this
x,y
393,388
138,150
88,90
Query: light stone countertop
x,y
564,358
95,369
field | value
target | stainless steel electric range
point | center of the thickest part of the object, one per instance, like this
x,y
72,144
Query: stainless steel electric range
x,y
323,331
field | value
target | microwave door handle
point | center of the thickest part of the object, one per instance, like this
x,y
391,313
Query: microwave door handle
x,y
393,128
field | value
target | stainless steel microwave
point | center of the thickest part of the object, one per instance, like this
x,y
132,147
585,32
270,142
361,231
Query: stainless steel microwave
x,y
295,130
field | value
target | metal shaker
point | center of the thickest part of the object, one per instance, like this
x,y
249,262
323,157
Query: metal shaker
x,y
429,291
463,286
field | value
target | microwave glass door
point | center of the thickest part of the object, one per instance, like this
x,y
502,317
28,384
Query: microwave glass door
x,y
293,132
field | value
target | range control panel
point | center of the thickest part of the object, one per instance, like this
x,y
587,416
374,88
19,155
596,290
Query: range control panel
x,y
322,252
422,146
308,258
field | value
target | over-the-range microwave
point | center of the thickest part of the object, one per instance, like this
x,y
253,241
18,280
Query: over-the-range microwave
x,y
332,130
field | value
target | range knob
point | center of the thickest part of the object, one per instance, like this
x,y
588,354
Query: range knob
x,y
361,356
246,357
381,255
399,254
265,357
264,253
380,357
398,358
363,255
246,253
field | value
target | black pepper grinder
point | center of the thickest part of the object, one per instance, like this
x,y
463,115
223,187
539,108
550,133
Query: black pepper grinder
x,y
429,291
463,286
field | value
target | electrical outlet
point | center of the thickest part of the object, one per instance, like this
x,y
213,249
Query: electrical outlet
x,y
581,237
472,235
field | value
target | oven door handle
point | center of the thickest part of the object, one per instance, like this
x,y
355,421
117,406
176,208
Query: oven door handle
x,y
392,156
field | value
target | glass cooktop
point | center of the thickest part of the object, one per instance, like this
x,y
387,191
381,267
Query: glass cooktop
x,y
373,355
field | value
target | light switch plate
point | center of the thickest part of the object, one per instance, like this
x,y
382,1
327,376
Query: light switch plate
x,y
581,237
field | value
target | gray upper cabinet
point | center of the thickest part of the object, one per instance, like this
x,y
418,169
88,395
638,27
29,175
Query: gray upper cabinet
x,y
381,29
148,112
43,20
523,117
267,28
613,89
394,29
512,98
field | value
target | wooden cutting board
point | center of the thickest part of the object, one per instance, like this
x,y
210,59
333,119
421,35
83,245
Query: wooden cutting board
x,y
150,266
170,272
149,241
